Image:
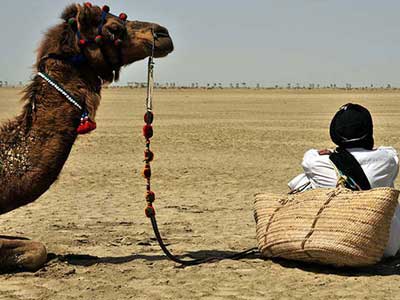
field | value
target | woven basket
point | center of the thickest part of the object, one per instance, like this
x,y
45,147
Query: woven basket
x,y
338,226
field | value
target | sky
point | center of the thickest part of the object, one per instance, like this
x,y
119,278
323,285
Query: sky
x,y
270,42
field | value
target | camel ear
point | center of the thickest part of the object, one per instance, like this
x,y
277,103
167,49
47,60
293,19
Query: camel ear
x,y
69,12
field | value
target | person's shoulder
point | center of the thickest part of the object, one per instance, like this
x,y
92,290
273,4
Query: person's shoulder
x,y
314,153
314,156
389,152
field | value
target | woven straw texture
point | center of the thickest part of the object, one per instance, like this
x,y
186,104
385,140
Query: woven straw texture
x,y
338,226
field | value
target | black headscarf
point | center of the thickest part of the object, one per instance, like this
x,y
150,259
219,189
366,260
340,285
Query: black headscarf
x,y
352,127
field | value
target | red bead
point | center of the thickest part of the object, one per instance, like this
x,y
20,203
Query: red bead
x,y
123,16
148,155
150,196
118,42
146,172
88,4
82,42
147,131
106,8
98,39
150,211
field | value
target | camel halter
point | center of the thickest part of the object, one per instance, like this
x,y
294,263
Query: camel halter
x,y
146,173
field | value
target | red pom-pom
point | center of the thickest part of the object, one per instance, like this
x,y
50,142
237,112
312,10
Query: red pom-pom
x,y
146,172
123,16
86,127
88,4
147,131
148,117
83,128
98,39
150,196
106,8
118,42
82,42
150,211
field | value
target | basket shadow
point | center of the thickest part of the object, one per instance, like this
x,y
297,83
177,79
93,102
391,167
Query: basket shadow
x,y
220,255
387,267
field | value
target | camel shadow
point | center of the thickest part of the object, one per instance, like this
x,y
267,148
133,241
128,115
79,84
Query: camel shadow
x,y
87,260
387,267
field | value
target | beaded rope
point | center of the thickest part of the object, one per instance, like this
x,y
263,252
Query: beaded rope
x,y
148,134
60,89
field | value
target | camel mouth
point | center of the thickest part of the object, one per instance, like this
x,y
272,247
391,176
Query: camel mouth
x,y
146,39
163,44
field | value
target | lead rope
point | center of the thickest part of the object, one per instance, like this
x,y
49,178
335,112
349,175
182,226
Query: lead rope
x,y
150,195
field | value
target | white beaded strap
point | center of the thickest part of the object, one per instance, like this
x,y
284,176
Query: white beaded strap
x,y
60,89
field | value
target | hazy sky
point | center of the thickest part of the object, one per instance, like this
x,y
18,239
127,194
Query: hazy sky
x,y
256,41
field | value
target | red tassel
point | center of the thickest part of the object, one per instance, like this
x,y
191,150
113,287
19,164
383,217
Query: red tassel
x,y
88,4
86,127
106,8
82,42
147,131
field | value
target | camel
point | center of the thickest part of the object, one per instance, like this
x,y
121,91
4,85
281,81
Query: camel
x,y
88,48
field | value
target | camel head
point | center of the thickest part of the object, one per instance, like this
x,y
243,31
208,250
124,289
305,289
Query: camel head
x,y
106,42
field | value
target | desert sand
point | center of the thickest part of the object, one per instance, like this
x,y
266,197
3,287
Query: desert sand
x,y
214,149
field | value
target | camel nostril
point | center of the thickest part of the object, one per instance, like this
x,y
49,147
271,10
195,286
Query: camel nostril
x,y
160,31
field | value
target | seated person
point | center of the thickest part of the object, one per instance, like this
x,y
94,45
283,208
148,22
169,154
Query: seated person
x,y
351,130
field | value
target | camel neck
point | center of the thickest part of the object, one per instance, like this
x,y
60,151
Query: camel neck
x,y
35,145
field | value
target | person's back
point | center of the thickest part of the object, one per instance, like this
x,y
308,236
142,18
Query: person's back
x,y
379,165
351,129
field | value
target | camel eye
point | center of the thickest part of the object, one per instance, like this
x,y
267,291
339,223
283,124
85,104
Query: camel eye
x,y
115,30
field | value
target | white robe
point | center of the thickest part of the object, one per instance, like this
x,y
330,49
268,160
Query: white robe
x,y
381,167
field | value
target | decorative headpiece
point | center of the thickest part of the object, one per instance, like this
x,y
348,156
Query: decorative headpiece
x,y
99,39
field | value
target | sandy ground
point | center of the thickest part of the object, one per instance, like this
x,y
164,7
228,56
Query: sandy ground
x,y
214,151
